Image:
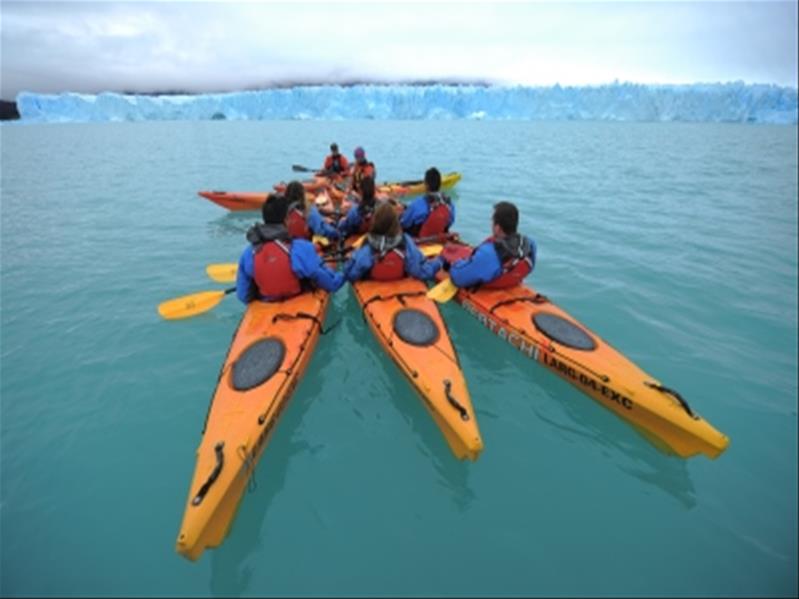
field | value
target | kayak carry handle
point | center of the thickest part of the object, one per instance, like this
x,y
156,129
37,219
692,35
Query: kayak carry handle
x,y
454,402
675,395
220,462
400,297
322,330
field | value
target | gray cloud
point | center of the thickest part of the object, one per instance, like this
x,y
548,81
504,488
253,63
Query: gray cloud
x,y
202,46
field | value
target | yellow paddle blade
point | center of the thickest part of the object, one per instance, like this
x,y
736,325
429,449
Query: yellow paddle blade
x,y
222,273
431,250
443,292
190,305
323,241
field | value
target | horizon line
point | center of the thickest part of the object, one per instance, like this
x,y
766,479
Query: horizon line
x,y
452,82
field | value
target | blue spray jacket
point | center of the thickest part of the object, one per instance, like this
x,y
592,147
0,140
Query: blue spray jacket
x,y
351,224
416,265
483,266
320,226
305,263
417,212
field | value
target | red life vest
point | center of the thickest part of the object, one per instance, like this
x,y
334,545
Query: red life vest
x,y
272,271
296,224
514,268
336,164
437,220
360,171
390,267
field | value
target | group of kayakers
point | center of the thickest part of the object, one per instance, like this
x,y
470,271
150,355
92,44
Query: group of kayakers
x,y
282,261
336,165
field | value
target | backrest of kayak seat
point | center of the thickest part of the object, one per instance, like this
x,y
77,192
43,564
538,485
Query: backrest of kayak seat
x,y
415,327
258,363
564,332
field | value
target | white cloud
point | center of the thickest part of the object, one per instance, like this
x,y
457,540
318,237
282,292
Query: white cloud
x,y
92,46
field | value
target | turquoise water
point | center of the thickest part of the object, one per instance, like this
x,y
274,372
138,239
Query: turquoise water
x,y
677,243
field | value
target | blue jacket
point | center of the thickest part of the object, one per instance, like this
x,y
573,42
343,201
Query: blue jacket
x,y
417,211
351,223
320,226
416,265
305,263
483,267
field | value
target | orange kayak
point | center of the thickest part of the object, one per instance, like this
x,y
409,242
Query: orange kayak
x,y
253,200
269,353
547,334
410,329
239,201
236,201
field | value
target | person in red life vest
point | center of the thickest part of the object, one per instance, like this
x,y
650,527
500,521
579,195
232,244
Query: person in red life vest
x,y
303,219
274,266
359,217
361,169
335,164
501,261
432,213
389,254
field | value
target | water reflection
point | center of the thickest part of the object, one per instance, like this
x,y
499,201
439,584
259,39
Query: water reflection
x,y
230,573
232,224
630,452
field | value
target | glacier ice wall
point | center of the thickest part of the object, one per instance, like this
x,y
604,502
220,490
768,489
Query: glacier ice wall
x,y
717,102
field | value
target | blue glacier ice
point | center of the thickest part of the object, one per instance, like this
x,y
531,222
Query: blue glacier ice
x,y
715,102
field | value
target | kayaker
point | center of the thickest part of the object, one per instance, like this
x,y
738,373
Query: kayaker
x,y
359,218
361,168
430,214
501,261
388,253
275,266
335,163
303,219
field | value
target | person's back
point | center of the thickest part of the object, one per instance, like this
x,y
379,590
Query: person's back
x,y
360,216
303,220
274,266
335,164
501,261
431,214
388,253
361,169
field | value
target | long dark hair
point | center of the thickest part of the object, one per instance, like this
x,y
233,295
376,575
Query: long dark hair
x,y
367,193
295,193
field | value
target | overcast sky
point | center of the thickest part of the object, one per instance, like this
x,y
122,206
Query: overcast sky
x,y
221,46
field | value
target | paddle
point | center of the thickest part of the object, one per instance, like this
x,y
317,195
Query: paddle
x,y
321,240
431,250
298,168
443,292
192,305
222,273
442,237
